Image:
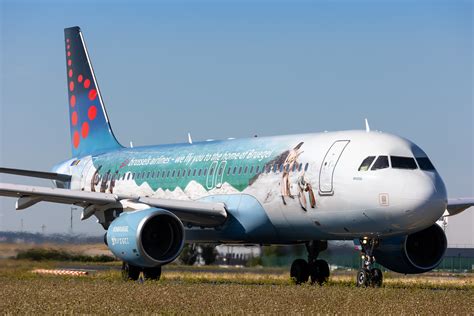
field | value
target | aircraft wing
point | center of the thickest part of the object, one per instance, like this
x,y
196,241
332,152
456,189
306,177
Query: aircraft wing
x,y
458,205
200,213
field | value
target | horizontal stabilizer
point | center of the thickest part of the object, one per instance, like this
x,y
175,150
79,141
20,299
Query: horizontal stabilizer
x,y
37,174
456,206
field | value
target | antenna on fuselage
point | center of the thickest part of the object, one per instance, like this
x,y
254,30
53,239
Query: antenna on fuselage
x,y
190,140
367,127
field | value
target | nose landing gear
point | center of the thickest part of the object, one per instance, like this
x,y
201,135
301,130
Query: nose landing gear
x,y
315,269
367,275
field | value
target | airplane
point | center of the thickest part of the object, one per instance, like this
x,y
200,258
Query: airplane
x,y
378,189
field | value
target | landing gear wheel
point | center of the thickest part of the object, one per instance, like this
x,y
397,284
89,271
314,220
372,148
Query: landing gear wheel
x,y
363,278
376,277
130,272
152,273
319,272
299,271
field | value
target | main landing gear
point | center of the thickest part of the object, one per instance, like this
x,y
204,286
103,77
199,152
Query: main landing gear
x,y
131,272
367,275
315,269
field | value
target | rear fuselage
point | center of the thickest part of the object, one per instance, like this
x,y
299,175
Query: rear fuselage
x,y
280,189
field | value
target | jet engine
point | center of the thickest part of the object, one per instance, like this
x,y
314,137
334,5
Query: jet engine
x,y
415,253
146,238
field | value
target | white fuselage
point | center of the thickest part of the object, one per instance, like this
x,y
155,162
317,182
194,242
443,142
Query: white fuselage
x,y
331,199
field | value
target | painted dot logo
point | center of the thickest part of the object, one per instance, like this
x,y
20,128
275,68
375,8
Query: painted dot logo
x,y
92,112
84,92
85,129
74,118
92,94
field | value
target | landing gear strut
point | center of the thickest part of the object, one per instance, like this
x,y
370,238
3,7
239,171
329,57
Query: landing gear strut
x,y
131,272
315,269
367,275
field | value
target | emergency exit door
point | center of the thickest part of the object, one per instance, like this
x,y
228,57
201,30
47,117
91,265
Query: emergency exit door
x,y
326,174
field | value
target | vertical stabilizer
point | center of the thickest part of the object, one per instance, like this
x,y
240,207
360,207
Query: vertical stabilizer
x,y
90,127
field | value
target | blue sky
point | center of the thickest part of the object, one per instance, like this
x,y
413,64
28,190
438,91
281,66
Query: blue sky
x,y
239,68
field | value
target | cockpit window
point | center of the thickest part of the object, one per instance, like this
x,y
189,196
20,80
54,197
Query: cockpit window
x,y
403,162
364,166
425,163
380,163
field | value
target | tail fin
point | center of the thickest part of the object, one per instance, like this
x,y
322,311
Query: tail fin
x,y
90,128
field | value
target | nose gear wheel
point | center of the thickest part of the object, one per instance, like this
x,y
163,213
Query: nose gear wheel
x,y
368,275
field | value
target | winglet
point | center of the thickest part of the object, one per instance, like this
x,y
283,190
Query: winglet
x,y
190,140
367,127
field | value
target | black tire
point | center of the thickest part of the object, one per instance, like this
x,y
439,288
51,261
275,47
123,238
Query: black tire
x,y
376,277
130,272
319,272
362,278
299,271
152,273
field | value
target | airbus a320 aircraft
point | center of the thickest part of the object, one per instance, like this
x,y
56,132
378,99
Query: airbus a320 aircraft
x,y
378,189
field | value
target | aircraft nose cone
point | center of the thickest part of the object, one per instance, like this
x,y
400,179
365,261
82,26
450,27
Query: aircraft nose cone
x,y
425,198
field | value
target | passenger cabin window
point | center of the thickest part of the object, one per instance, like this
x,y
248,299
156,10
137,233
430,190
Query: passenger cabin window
x,y
425,163
380,163
403,162
365,165
306,167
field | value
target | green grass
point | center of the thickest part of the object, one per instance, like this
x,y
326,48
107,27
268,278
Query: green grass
x,y
185,291
42,254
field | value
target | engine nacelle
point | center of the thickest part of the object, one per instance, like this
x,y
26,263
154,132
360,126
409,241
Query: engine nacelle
x,y
415,253
146,238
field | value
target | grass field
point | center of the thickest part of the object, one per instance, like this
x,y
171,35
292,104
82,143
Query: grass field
x,y
185,290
